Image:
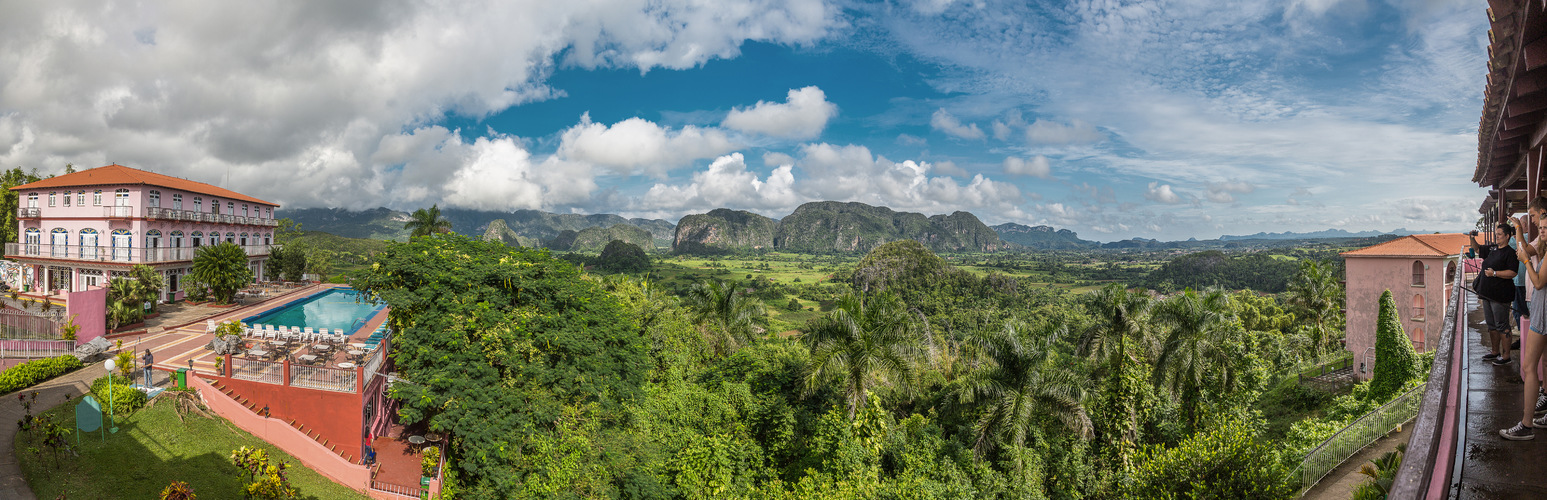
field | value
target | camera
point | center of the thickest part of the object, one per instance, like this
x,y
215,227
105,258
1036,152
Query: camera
x,y
1472,233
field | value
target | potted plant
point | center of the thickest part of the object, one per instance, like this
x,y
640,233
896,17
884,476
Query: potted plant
x,y
429,464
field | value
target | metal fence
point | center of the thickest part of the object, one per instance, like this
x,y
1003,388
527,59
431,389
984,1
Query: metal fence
x,y
319,377
412,491
23,325
267,372
378,357
32,349
1338,448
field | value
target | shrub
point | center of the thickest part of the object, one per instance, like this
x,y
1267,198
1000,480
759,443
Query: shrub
x,y
27,374
430,462
1395,360
125,362
1221,462
178,490
124,399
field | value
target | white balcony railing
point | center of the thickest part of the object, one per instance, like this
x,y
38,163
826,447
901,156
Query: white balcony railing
x,y
118,212
113,254
157,213
28,212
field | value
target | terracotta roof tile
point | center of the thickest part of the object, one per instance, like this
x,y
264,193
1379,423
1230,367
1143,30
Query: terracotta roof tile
x,y
1417,245
119,174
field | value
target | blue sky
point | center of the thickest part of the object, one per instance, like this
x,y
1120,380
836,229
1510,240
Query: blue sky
x,y
1116,119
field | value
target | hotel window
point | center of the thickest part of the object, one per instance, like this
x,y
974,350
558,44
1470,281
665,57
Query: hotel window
x,y
80,198
214,207
96,198
269,211
198,236
244,210
177,201
177,239
1417,273
51,196
32,200
121,198
230,237
198,205
230,208
266,239
155,199
244,239
67,198
1417,307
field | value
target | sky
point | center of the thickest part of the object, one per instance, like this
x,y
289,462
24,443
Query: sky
x,y
1115,119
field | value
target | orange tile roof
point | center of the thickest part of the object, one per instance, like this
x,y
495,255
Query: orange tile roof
x,y
119,174
1417,245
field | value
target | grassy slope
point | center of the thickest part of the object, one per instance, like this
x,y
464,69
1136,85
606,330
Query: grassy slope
x,y
151,449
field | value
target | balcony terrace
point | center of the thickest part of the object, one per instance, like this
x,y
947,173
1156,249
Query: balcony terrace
x,y
156,213
129,255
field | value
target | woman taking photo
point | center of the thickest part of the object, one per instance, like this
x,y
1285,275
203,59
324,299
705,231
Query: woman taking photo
x,y
1534,338
1496,290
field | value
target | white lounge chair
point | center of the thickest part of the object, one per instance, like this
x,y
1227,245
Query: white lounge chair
x,y
209,326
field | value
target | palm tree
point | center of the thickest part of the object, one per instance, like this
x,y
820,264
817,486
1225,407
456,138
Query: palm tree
x,y
125,299
863,343
1116,339
1200,348
425,222
1020,382
223,268
728,317
1317,297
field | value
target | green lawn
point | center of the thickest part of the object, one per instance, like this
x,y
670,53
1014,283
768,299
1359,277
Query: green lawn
x,y
151,449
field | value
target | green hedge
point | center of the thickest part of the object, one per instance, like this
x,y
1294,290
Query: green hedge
x,y
30,373
125,399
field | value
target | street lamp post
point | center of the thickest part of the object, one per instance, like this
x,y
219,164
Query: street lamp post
x,y
110,365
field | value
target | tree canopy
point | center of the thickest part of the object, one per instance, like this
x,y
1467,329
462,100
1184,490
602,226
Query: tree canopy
x,y
223,268
425,222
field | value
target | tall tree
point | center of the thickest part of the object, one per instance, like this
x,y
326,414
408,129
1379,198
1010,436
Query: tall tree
x,y
1317,298
1020,382
867,340
151,283
425,222
729,318
10,200
125,299
1199,348
1117,338
223,268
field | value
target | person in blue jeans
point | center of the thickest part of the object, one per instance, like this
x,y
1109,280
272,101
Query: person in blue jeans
x,y
147,360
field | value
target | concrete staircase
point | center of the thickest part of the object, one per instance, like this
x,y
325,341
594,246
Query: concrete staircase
x,y
257,409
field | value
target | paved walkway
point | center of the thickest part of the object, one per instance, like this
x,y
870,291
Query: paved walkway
x,y
1492,467
1342,481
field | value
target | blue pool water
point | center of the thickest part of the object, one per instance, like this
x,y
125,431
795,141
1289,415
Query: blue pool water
x,y
336,308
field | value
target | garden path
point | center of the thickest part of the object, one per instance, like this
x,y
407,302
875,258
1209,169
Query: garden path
x,y
50,394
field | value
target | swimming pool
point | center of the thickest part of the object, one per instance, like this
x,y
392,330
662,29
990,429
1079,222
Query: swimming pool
x,y
337,308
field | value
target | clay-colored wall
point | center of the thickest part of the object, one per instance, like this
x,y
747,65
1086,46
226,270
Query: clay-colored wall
x,y
334,415
1367,278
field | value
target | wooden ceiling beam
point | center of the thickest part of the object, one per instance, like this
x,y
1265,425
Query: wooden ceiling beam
x,y
1529,120
1530,83
1526,104
1535,54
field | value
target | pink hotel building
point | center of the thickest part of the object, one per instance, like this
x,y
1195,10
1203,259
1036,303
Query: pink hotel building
x,y
79,230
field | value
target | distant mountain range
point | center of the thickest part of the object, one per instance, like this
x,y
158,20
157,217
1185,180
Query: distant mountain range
x,y
816,227
1330,233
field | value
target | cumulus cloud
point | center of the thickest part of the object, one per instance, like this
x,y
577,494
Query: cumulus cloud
x,y
727,183
1001,130
490,173
949,168
852,173
639,145
1048,132
1037,166
1161,193
1224,192
803,115
943,121
308,92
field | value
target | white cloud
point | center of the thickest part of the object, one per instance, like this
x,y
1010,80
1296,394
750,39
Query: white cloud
x,y
1161,193
852,173
639,145
803,115
943,121
727,183
911,140
1037,166
1223,192
1001,131
307,92
775,159
1047,132
948,167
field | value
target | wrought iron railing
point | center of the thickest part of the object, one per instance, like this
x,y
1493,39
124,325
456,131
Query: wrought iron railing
x,y
34,349
29,212
255,370
319,377
114,254
1338,448
378,357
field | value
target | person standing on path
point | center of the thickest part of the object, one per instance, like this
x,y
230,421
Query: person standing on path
x,y
1495,290
147,360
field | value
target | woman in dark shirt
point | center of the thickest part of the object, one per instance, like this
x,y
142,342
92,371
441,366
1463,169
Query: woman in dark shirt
x,y
1496,290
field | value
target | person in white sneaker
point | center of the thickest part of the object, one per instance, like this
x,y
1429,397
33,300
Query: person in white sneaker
x,y
1534,339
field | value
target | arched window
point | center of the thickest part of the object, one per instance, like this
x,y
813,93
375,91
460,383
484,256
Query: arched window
x,y
243,240
177,239
1417,273
88,243
177,201
198,236
34,236
59,241
153,238
1418,339
155,198
122,241
230,237
1417,307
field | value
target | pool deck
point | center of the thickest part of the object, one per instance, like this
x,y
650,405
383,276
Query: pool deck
x,y
174,346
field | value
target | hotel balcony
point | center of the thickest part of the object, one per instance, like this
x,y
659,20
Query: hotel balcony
x,y
29,212
156,213
129,255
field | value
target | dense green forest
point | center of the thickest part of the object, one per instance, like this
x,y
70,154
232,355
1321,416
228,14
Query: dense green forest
x,y
909,377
